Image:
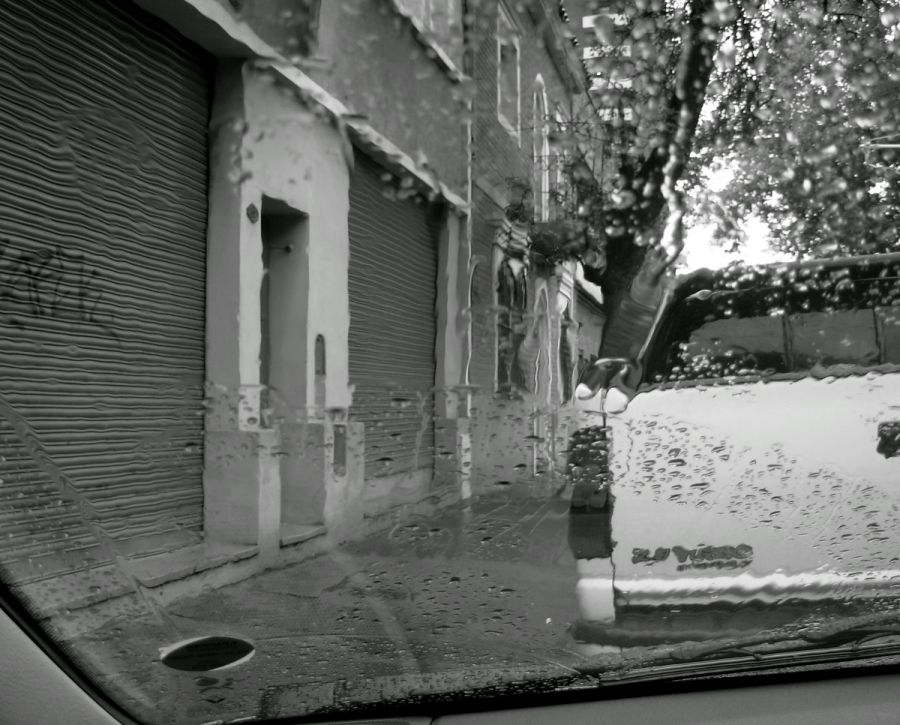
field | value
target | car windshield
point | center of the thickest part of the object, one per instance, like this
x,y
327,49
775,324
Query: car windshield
x,y
365,355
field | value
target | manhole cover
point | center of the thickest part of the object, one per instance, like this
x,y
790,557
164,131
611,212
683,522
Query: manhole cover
x,y
206,653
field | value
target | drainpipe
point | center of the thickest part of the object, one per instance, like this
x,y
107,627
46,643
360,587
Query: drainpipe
x,y
470,270
466,485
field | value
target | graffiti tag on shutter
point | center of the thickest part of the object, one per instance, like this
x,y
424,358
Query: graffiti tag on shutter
x,y
49,283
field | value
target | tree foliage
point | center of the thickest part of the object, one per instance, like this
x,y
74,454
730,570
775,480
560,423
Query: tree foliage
x,y
794,128
785,98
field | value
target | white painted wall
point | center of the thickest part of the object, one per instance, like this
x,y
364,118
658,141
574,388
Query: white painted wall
x,y
267,143
296,155
287,152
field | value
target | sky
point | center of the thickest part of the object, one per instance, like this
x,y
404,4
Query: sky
x,y
700,251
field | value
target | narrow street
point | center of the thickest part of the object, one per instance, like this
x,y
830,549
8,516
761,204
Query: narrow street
x,y
481,594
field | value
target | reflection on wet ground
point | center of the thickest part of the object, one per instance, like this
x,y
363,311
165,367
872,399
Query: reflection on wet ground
x,y
485,592
649,626
468,598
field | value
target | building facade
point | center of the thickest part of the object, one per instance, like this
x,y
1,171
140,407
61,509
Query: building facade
x,y
350,217
255,271
526,315
231,286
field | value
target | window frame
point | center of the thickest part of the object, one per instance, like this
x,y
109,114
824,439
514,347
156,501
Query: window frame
x,y
559,192
505,17
540,151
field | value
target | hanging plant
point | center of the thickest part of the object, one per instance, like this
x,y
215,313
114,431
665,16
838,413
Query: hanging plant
x,y
555,241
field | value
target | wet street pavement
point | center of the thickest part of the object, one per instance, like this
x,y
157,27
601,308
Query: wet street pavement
x,y
468,597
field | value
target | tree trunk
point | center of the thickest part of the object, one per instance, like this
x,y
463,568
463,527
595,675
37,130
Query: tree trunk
x,y
650,178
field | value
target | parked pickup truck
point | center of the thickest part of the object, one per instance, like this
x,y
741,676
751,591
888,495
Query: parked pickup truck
x,y
758,463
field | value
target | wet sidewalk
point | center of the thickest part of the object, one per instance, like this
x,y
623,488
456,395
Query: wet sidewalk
x,y
466,599
478,593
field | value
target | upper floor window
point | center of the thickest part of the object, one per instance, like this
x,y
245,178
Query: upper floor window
x,y
540,154
558,195
508,73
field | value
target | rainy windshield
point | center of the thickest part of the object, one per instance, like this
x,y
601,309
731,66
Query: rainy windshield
x,y
374,354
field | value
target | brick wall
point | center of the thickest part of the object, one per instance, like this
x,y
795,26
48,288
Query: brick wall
x,y
366,53
499,157
504,445
286,25
373,62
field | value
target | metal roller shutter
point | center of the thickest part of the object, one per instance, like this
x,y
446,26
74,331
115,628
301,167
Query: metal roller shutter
x,y
103,177
393,275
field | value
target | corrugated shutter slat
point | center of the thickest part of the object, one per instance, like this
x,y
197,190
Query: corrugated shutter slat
x,y
393,273
103,198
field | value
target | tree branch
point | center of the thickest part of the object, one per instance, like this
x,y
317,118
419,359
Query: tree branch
x,y
654,180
